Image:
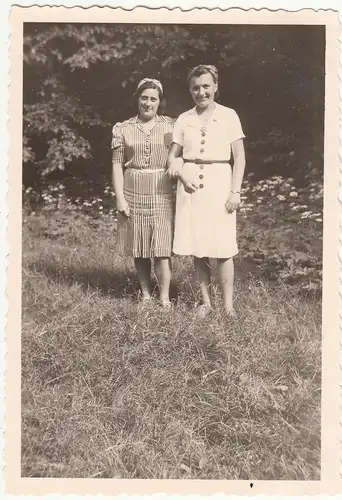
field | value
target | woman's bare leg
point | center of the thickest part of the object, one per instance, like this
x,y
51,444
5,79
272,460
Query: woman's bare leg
x,y
143,267
162,268
225,268
203,275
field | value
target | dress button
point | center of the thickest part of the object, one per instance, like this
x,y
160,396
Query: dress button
x,y
201,176
203,134
201,150
202,141
201,185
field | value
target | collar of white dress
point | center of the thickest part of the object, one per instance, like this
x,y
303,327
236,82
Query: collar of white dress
x,y
214,117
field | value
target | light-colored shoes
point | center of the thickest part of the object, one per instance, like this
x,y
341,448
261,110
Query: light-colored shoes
x,y
146,302
166,305
203,310
230,313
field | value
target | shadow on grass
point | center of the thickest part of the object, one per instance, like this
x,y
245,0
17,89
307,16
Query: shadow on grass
x,y
115,283
119,283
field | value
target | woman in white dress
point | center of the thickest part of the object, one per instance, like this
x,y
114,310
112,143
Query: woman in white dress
x,y
208,191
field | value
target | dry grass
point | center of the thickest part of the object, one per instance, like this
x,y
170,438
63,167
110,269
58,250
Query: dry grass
x,y
113,390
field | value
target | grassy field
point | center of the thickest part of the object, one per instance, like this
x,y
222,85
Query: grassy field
x,y
113,390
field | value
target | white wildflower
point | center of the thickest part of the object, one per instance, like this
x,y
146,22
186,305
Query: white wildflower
x,y
305,215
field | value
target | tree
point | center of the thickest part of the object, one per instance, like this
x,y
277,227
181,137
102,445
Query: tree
x,y
79,80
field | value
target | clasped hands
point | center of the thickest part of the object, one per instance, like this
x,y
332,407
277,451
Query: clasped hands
x,y
174,171
190,187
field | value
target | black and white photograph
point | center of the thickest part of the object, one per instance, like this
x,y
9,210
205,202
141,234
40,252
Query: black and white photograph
x,y
172,213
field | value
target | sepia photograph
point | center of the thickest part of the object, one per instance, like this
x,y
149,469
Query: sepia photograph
x,y
173,181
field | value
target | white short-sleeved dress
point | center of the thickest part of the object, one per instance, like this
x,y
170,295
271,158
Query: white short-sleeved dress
x,y
203,227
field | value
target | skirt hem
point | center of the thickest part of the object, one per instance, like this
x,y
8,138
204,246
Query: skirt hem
x,y
202,256
155,255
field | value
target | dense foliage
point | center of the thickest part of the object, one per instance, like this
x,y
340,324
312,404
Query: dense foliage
x,y
79,79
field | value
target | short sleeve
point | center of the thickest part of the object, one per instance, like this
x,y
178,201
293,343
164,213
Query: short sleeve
x,y
117,144
178,132
235,127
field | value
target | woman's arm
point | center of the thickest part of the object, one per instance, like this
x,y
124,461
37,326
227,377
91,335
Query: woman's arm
x,y
117,177
237,177
174,153
175,167
118,157
239,164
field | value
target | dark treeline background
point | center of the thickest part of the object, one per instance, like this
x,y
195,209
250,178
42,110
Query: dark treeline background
x,y
79,80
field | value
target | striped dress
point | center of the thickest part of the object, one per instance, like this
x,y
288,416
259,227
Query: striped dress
x,y
148,232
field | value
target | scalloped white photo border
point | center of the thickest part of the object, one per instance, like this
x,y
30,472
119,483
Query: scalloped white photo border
x,y
185,5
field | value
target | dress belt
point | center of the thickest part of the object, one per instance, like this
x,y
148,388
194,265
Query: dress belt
x,y
198,161
146,170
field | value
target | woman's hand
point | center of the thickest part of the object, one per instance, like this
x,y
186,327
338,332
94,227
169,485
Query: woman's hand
x,y
233,202
189,186
173,171
122,207
175,166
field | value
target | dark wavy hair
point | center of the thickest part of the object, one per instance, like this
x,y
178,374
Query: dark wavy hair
x,y
150,85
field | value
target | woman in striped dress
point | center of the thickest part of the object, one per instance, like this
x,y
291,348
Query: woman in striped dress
x,y
143,191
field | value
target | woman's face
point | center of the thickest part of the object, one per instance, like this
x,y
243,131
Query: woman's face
x,y
148,103
202,89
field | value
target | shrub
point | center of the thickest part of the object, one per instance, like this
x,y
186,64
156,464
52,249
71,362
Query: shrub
x,y
281,230
280,226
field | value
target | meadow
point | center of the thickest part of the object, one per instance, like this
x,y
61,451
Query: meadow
x,y
114,389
